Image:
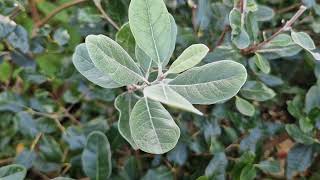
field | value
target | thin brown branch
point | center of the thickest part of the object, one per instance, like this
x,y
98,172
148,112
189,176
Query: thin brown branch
x,y
106,16
287,26
6,161
58,10
222,36
289,8
34,11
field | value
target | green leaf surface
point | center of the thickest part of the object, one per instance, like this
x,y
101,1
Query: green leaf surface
x,y
257,91
85,66
152,127
163,93
151,27
125,38
13,172
249,172
298,135
189,58
124,103
216,168
303,40
262,63
96,157
269,166
210,83
110,58
244,107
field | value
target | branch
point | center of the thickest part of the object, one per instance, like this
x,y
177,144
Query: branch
x,y
106,16
287,26
57,10
34,12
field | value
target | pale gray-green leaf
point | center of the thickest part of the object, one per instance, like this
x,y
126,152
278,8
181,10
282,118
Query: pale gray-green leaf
x,y
152,127
173,39
210,83
262,63
244,107
269,166
124,104
241,40
144,60
189,58
13,172
96,157
281,40
151,26
85,66
110,58
303,40
163,93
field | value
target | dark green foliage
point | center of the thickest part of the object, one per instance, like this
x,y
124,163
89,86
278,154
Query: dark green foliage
x,y
55,124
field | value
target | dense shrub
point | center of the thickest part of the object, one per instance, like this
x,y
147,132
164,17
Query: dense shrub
x,y
153,89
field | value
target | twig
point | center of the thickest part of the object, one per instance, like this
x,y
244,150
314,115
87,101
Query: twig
x,y
35,141
57,10
34,12
223,34
106,16
6,161
287,26
15,12
289,8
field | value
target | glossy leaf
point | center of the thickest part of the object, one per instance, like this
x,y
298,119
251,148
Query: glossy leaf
x,y
152,127
110,58
124,103
257,91
244,107
12,172
85,66
303,40
96,157
189,58
298,135
269,166
163,93
211,83
262,63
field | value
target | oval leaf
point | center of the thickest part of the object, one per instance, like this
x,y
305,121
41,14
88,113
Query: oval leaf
x,y
151,27
262,63
303,40
211,83
189,58
96,157
125,38
110,58
124,103
244,107
152,127
13,172
257,91
166,95
85,66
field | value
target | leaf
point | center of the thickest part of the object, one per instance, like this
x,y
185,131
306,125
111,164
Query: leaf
x,y
96,157
179,154
281,40
257,91
312,98
298,160
151,27
110,58
85,66
269,166
125,38
248,173
152,127
61,36
144,60
298,135
211,83
303,40
244,107
27,125
203,14
217,166
13,172
264,13
262,63
19,39
239,34
124,104
189,58
163,93
241,40
160,173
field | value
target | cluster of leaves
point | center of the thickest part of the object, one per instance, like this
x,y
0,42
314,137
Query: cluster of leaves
x,y
185,54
